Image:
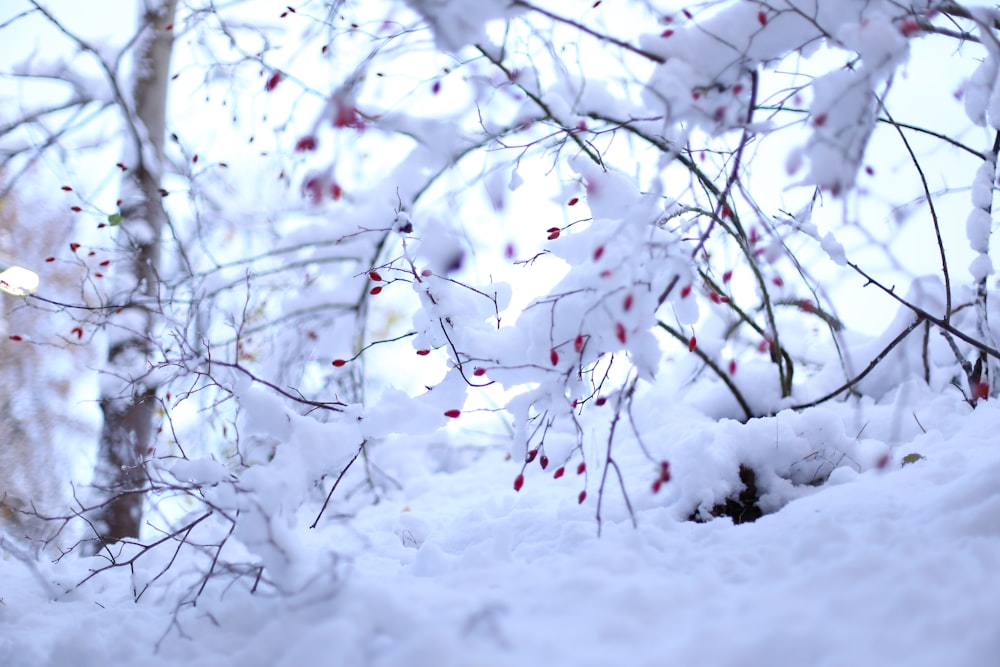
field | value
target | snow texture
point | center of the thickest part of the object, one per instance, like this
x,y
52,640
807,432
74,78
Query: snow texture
x,y
460,570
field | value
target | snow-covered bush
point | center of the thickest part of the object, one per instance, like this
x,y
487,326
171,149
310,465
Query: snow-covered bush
x,y
548,225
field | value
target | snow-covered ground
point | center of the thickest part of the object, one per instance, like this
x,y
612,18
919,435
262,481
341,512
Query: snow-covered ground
x,y
892,566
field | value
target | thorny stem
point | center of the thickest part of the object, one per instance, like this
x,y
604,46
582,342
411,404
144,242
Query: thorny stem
x,y
587,150
906,126
722,202
590,31
723,375
609,461
145,548
333,406
937,321
868,369
111,76
336,483
930,206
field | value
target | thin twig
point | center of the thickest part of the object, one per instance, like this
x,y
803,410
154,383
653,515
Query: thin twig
x,y
336,483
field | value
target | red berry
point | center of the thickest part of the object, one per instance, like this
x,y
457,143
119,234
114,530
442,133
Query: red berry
x,y
15,337
479,372
598,252
600,401
374,275
559,472
273,82
452,413
305,144
423,353
762,18
532,453
620,332
685,291
573,201
518,482
578,343
67,188
627,305
74,246
692,344
582,468
375,290
554,357
581,497
543,461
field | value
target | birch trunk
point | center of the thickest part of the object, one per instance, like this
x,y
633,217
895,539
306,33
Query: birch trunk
x,y
127,399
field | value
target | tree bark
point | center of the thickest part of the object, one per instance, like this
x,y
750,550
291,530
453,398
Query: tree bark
x,y
127,396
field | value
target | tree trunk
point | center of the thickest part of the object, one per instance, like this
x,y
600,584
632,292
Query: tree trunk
x,y
128,400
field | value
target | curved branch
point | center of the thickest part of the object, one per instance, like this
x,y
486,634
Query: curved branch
x,y
711,364
868,369
937,321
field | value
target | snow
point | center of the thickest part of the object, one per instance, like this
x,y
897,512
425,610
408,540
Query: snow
x,y
458,23
561,481
882,567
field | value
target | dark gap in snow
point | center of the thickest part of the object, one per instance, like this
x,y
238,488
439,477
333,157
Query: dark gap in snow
x,y
743,507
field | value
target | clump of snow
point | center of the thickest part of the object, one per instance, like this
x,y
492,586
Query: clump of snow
x,y
982,95
458,23
979,224
834,249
